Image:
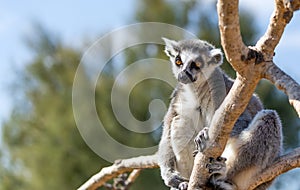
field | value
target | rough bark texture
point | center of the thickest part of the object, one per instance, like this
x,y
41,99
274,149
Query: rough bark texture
x,y
251,65
292,5
279,19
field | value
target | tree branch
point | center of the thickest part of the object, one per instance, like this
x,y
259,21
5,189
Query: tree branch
x,y
292,5
279,166
280,18
231,38
119,167
221,127
231,108
250,65
132,177
285,83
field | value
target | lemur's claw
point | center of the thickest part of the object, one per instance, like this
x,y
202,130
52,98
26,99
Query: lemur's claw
x,y
176,181
201,140
195,152
217,166
183,185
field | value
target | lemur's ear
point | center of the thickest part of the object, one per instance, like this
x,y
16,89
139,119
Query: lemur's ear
x,y
216,56
171,48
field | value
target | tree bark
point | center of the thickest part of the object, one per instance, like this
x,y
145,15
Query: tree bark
x,y
285,83
119,167
251,65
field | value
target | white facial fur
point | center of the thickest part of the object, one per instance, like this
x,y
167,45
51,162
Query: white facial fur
x,y
206,56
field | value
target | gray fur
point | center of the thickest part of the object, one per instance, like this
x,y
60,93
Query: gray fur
x,y
255,140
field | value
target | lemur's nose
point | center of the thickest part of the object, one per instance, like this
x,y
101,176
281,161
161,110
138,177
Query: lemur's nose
x,y
186,77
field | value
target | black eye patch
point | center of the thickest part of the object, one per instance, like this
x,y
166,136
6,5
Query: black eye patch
x,y
178,61
195,65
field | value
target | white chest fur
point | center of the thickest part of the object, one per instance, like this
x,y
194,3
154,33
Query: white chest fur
x,y
185,127
187,103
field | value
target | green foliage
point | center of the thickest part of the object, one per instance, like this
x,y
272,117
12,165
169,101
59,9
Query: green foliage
x,y
42,137
43,144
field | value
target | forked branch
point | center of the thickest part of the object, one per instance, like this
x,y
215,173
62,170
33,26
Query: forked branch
x,y
119,167
251,65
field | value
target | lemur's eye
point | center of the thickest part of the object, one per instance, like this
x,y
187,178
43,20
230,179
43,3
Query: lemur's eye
x,y
198,64
178,61
195,65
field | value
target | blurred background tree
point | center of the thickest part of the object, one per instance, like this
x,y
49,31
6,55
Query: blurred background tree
x,y
43,147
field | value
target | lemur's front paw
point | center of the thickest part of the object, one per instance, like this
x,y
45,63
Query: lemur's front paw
x,y
217,169
217,166
201,140
183,185
176,181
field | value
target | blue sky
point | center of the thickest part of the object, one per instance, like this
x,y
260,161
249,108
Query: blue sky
x,y
70,20
76,20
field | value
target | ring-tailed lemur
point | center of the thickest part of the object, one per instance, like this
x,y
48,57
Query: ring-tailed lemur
x,y
256,138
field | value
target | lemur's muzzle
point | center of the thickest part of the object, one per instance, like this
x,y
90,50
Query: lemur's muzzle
x,y
186,77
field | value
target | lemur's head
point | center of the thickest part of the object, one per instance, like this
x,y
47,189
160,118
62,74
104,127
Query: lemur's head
x,y
192,59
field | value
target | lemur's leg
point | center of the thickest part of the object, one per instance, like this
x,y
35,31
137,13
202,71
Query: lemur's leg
x,y
247,153
254,148
167,161
166,156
